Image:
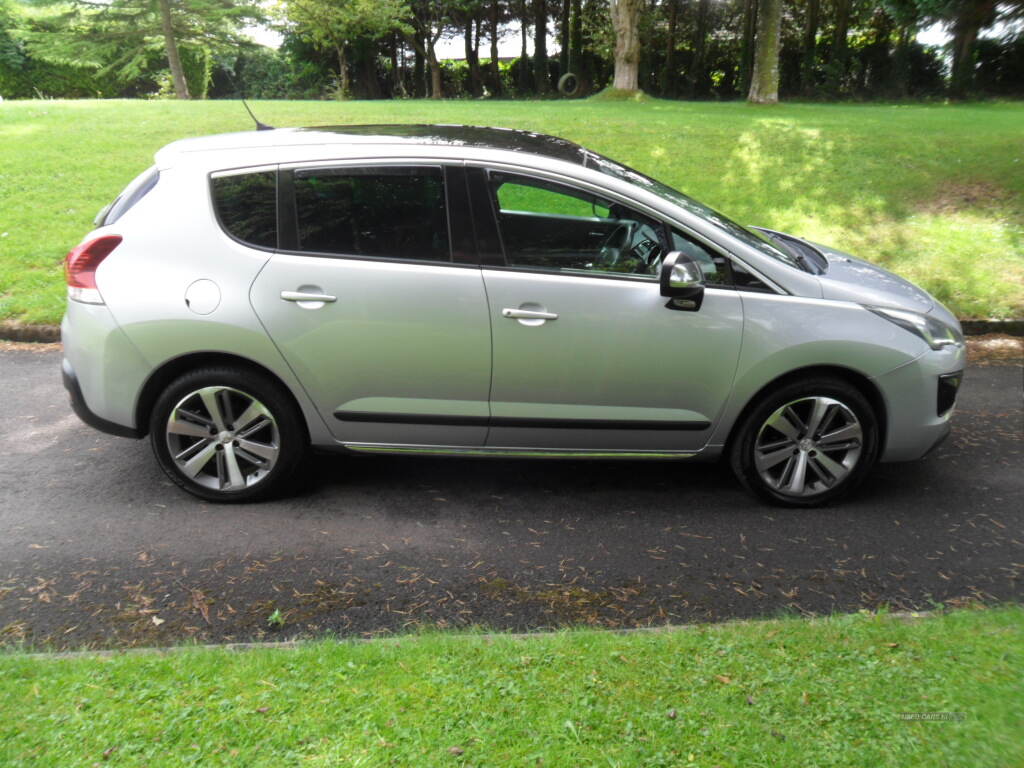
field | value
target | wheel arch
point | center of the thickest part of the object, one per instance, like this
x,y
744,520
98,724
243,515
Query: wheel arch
x,y
858,380
178,366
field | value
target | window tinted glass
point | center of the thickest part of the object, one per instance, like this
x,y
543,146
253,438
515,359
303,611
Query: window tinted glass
x,y
548,226
394,212
750,237
515,196
714,266
743,280
247,206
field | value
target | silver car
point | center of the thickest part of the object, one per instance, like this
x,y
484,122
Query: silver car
x,y
472,291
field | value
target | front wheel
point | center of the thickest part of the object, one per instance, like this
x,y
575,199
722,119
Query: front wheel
x,y
227,435
807,443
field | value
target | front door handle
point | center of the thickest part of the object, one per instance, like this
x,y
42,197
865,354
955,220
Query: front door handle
x,y
303,296
528,314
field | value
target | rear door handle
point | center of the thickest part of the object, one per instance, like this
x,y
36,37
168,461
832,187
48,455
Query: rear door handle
x,y
528,314
302,296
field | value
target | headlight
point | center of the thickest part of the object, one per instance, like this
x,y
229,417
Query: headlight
x,y
934,332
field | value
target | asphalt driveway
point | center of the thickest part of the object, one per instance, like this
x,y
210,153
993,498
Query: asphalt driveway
x,y
98,548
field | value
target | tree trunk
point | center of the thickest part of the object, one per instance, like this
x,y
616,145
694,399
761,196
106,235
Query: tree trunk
x,y
764,85
367,81
173,60
419,77
343,83
524,75
397,65
576,43
494,67
435,73
747,48
540,46
700,47
810,47
901,64
626,23
837,61
668,74
564,39
472,60
971,16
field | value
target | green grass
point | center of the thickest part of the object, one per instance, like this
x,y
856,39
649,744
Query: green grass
x,y
934,192
776,693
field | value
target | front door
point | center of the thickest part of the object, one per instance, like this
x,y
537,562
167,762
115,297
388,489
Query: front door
x,y
586,353
389,336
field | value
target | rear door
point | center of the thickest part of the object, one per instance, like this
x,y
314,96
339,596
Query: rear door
x,y
376,304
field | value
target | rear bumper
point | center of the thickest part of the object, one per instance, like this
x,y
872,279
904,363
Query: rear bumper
x,y
81,409
103,371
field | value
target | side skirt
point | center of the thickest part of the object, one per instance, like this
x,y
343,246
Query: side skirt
x,y
523,453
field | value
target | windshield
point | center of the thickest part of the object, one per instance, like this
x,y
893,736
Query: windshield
x,y
750,237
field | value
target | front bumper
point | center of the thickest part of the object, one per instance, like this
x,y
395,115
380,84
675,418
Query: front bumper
x,y
918,403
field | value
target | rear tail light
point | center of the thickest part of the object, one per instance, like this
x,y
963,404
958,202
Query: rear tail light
x,y
80,268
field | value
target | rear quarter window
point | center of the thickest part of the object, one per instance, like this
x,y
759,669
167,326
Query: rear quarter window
x,y
140,186
246,206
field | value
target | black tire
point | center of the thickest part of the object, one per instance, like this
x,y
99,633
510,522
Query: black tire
x,y
801,395
284,429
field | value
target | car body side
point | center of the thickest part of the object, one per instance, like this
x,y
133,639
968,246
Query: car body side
x,y
119,351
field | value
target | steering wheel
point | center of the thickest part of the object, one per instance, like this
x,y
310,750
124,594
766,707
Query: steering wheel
x,y
619,238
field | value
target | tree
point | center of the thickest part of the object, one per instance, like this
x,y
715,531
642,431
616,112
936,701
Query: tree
x,y
540,46
810,44
626,23
747,45
840,48
969,18
121,37
764,85
429,19
334,25
700,49
494,16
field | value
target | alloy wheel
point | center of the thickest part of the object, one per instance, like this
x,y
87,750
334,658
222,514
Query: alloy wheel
x,y
808,446
222,438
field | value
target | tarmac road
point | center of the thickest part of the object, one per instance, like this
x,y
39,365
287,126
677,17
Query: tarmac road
x,y
97,548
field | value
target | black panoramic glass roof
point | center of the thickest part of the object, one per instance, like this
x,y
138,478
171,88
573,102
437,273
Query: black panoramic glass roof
x,y
469,136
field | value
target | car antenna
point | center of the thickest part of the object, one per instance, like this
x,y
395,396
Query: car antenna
x,y
259,126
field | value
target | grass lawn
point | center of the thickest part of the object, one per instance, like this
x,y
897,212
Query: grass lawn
x,y
934,192
777,693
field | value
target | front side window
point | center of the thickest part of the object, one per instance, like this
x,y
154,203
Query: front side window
x,y
714,266
751,237
246,205
393,212
552,227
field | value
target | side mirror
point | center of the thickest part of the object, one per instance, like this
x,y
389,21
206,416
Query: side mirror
x,y
682,281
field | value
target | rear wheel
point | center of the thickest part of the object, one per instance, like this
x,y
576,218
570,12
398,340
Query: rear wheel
x,y
227,435
807,443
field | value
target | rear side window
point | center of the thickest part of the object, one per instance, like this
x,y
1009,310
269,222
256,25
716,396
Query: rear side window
x,y
138,189
393,212
246,205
